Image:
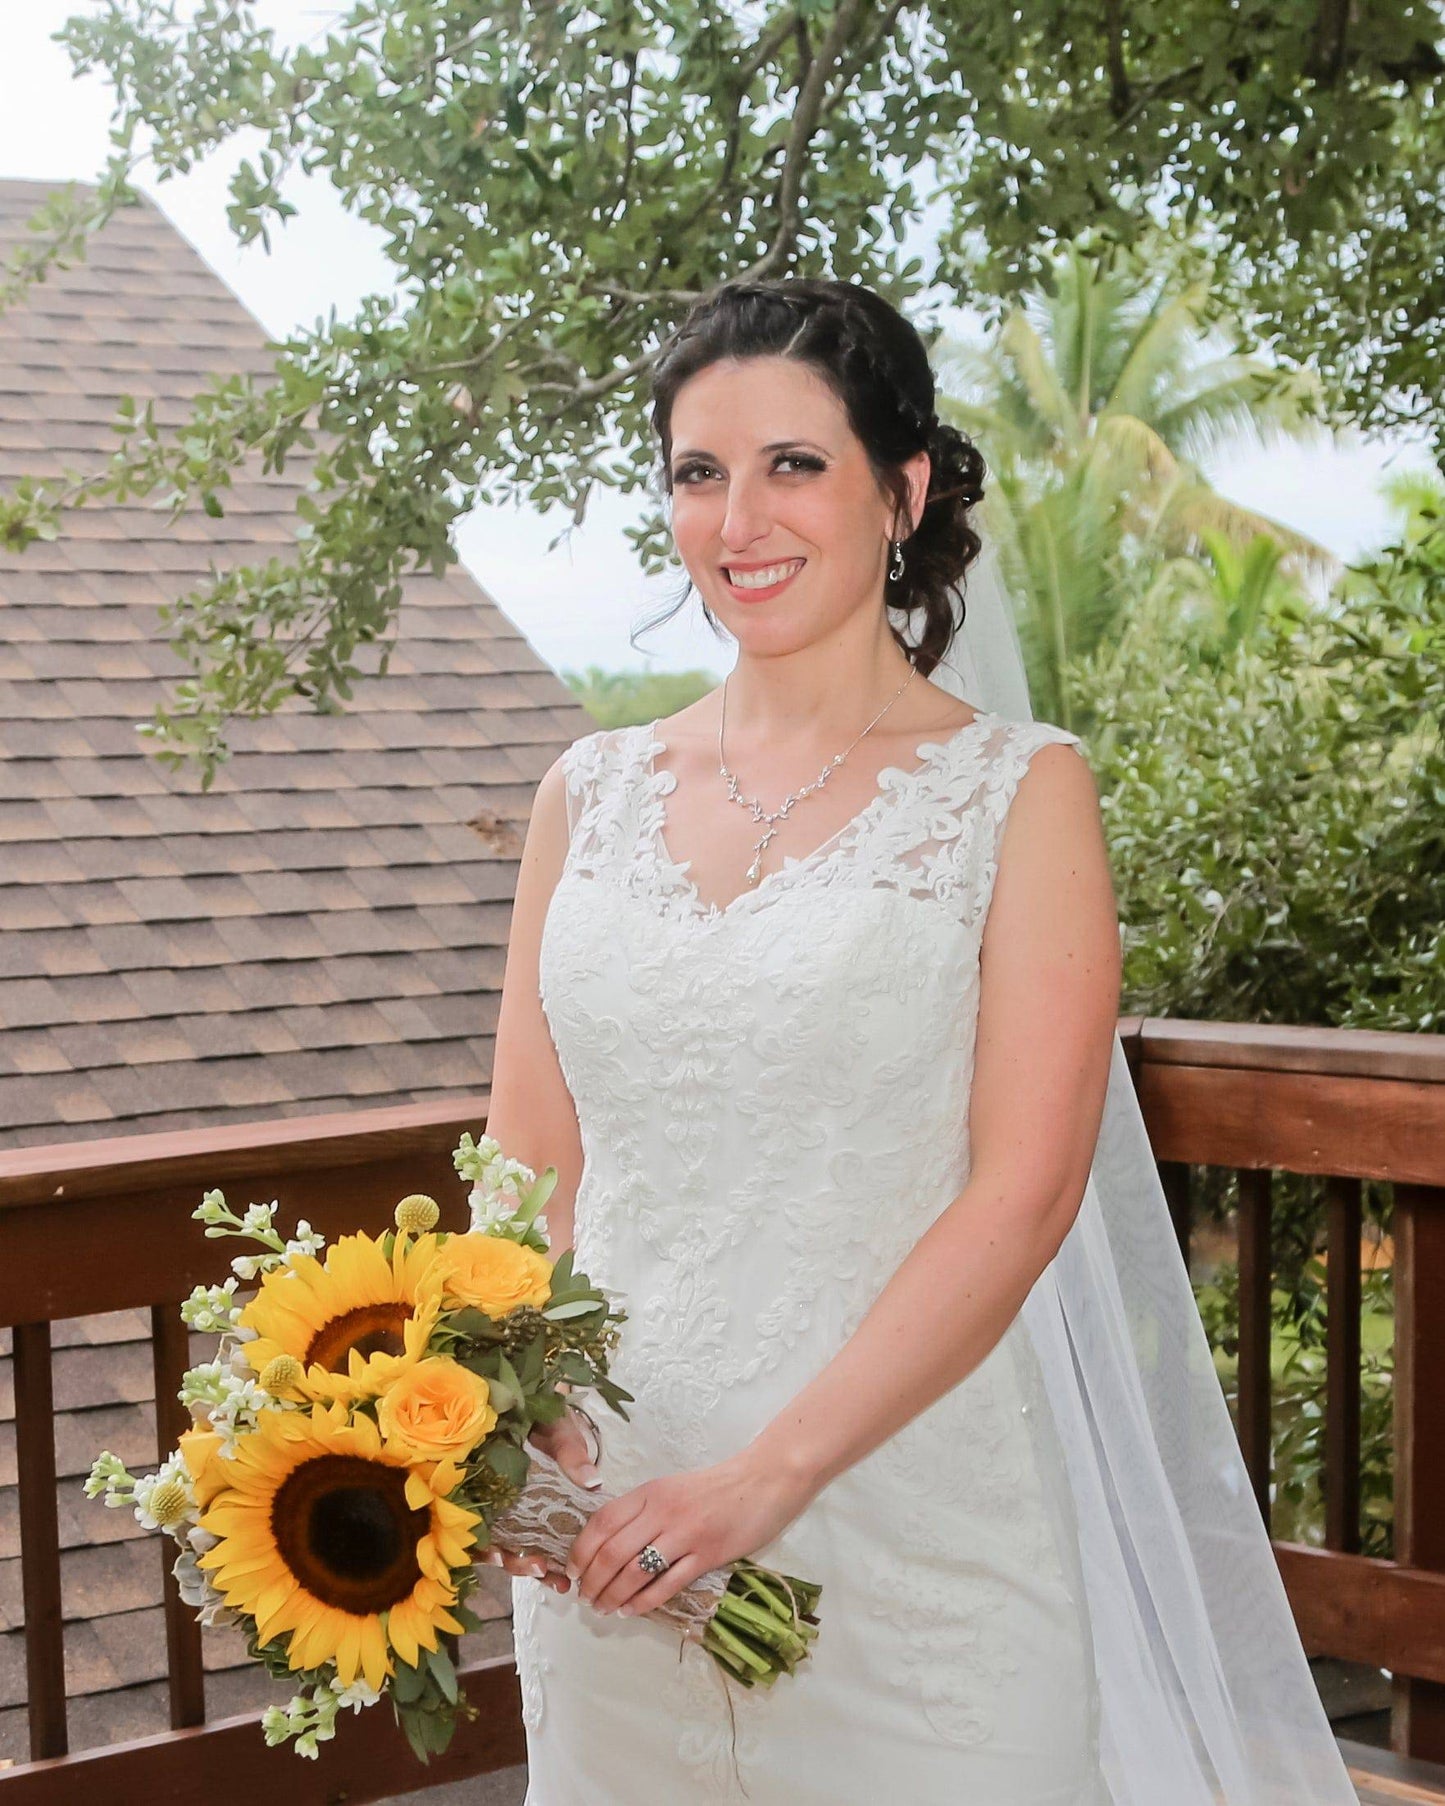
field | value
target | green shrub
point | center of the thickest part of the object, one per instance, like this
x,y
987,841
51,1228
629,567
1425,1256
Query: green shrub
x,y
1276,808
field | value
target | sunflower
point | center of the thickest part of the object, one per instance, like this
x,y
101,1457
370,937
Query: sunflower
x,y
354,1321
330,1540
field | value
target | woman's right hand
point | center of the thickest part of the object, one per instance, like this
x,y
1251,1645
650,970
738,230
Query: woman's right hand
x,y
566,1442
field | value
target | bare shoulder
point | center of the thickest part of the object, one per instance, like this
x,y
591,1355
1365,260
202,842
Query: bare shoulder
x,y
549,799
1057,773
1057,795
1054,846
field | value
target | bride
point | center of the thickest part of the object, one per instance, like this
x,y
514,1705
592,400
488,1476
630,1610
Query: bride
x,y
811,997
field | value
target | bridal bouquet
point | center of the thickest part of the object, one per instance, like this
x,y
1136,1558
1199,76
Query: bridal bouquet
x,y
361,1436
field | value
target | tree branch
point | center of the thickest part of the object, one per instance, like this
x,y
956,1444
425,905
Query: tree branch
x,y
1326,60
805,123
1177,78
1118,76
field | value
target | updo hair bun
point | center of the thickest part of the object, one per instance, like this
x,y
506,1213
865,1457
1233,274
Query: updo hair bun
x,y
875,362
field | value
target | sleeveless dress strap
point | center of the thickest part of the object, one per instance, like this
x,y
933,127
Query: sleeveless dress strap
x,y
1011,759
598,768
940,834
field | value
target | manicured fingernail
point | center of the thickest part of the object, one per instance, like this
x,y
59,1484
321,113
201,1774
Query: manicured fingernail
x,y
590,1476
571,1570
537,1567
624,1611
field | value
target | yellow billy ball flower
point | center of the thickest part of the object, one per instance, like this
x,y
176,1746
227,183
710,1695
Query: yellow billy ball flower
x,y
353,1321
334,1542
434,1410
494,1274
282,1373
417,1214
168,1503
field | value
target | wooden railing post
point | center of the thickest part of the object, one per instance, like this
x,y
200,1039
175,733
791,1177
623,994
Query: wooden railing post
x,y
1342,1367
170,1353
39,1541
1256,1277
1418,1717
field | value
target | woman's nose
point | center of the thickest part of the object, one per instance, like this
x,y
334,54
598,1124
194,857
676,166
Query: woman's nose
x,y
745,519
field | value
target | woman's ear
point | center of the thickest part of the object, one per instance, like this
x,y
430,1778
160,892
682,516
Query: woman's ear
x,y
920,473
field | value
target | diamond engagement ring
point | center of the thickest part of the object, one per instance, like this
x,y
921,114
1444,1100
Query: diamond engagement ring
x,y
651,1562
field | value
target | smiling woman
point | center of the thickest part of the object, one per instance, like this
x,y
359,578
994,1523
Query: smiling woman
x,y
857,1137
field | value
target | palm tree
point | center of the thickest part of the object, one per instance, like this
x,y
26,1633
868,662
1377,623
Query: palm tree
x,y
1234,588
1095,405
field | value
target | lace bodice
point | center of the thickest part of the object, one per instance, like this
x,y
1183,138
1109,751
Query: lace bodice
x,y
773,1104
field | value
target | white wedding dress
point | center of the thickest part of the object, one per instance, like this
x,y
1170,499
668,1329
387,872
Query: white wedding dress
x,y
773,1101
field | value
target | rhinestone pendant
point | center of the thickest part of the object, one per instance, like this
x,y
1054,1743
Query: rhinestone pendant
x,y
756,868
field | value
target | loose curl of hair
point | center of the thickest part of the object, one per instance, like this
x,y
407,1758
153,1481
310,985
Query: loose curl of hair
x,y
877,365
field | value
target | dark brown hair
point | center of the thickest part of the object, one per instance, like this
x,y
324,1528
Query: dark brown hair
x,y
877,365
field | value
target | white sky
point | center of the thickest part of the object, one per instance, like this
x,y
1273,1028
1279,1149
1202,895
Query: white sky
x,y
578,603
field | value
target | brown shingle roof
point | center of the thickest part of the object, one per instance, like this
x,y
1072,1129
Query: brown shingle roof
x,y
327,924
325,928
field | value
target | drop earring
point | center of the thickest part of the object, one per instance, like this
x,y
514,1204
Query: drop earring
x,y
895,570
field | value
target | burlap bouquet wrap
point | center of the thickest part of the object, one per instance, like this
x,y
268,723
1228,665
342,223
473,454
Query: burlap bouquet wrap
x,y
549,1515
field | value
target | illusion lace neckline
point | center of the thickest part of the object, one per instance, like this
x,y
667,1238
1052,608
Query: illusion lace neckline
x,y
892,783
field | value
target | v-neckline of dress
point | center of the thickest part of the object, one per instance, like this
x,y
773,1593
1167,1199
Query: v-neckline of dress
x,y
904,779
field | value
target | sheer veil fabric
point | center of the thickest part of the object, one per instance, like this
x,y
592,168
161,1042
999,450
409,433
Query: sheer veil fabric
x,y
1207,1698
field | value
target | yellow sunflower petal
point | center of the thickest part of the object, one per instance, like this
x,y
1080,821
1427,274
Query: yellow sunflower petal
x,y
418,1628
375,1662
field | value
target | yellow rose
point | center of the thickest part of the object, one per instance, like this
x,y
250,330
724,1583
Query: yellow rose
x,y
437,1410
200,1450
494,1274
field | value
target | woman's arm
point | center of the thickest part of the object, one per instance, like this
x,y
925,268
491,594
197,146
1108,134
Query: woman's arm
x,y
531,1111
1048,1011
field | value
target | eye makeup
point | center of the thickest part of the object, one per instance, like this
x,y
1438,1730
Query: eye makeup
x,y
691,467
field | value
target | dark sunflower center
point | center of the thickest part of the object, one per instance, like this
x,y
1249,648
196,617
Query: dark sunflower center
x,y
345,1530
370,1329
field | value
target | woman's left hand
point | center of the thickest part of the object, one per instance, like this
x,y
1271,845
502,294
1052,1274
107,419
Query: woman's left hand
x,y
699,1519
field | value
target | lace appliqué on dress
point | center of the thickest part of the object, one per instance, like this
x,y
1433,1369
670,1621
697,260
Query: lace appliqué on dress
x,y
532,1665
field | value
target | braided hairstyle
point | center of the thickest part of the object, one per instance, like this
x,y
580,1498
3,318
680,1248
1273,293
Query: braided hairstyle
x,y
877,365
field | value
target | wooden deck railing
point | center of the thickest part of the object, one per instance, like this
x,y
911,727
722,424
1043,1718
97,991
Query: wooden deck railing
x,y
104,1226
1348,1106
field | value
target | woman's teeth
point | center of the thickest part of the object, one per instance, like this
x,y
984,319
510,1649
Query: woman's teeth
x,y
764,579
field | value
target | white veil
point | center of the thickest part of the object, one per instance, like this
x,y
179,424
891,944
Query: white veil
x,y
1206,1694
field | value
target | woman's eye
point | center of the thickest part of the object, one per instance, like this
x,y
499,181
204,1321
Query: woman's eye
x,y
803,461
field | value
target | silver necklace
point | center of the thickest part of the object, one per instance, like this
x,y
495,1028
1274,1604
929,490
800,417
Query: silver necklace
x,y
774,816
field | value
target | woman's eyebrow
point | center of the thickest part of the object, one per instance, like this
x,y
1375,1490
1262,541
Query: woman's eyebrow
x,y
694,451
